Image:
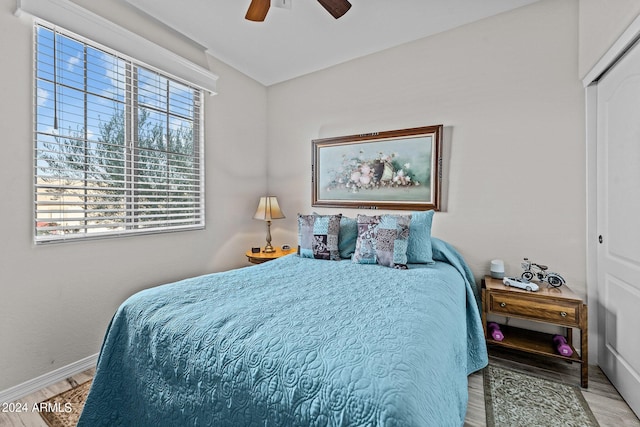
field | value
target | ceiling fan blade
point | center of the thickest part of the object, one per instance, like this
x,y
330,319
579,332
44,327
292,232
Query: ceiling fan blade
x,y
258,10
337,8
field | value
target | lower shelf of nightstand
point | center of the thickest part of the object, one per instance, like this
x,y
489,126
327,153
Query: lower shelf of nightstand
x,y
532,342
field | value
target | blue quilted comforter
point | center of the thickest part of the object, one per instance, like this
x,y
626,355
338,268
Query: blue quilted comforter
x,y
294,342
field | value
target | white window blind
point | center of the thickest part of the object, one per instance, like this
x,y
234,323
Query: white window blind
x,y
118,145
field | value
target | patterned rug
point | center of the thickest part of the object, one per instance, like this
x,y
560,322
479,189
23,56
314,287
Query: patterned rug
x,y
63,410
514,399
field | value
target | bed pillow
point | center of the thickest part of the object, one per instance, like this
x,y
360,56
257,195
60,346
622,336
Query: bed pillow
x,y
419,250
383,239
347,237
318,236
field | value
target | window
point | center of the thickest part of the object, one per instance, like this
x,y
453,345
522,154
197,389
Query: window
x,y
118,145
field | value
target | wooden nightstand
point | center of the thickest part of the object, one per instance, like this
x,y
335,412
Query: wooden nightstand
x,y
556,306
260,257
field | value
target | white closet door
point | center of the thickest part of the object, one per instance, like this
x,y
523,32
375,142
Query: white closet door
x,y
618,198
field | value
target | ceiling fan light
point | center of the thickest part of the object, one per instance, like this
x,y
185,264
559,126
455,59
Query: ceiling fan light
x,y
283,4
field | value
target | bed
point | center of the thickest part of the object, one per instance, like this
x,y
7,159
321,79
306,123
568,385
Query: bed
x,y
295,342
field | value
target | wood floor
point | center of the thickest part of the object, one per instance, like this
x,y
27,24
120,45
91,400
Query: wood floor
x,y
605,402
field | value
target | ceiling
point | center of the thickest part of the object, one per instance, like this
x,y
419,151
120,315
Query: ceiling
x,y
306,38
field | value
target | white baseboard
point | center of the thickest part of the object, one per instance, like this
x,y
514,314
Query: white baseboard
x,y
35,384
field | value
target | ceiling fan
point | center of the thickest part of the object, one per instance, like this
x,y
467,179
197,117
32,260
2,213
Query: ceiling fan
x,y
258,8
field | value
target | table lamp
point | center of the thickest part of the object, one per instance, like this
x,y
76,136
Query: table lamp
x,y
268,209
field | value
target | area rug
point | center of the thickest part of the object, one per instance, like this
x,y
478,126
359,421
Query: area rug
x,y
63,410
515,399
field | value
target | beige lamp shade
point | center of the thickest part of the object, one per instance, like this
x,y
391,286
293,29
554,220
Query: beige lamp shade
x,y
268,209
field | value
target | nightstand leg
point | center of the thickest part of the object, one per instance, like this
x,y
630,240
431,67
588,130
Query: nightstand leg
x,y
484,312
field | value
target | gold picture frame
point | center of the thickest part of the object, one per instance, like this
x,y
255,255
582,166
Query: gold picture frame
x,y
398,169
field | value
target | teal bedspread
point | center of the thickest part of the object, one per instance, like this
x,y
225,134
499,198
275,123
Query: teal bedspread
x,y
294,342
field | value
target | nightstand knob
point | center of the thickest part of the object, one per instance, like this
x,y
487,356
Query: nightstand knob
x,y
503,304
563,313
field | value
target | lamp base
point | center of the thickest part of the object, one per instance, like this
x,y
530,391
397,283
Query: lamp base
x,y
268,249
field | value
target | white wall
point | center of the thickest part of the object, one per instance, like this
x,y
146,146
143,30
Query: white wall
x,y
56,300
601,23
507,91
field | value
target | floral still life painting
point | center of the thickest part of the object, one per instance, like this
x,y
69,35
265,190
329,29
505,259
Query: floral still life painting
x,y
392,170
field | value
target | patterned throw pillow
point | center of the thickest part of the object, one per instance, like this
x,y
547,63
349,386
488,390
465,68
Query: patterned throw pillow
x,y
318,236
383,239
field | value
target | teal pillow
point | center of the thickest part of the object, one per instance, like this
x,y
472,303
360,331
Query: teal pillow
x,y
347,237
419,250
383,240
318,236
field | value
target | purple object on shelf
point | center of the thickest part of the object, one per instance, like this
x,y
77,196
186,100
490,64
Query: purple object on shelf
x,y
494,330
561,345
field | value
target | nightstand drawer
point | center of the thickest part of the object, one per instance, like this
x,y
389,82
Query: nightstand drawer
x,y
565,313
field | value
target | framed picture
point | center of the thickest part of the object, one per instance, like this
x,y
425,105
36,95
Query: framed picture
x,y
397,169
